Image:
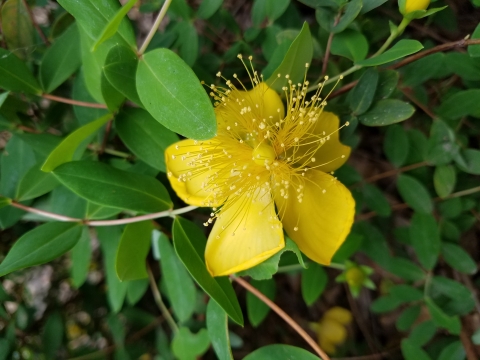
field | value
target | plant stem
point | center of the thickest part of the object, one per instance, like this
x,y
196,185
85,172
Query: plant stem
x,y
130,220
392,37
73,102
155,26
158,300
283,315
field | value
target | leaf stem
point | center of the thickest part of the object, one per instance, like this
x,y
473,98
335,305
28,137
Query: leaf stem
x,y
130,220
158,300
283,315
155,26
73,102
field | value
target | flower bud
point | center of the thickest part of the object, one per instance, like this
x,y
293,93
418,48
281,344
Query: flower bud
x,y
412,5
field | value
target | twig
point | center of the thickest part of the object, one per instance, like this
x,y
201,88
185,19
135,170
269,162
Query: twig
x,y
73,102
158,300
413,99
395,172
283,315
130,220
327,53
155,26
105,137
35,25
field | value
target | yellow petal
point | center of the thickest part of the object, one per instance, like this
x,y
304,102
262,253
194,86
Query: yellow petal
x,y
245,234
414,5
326,345
332,331
332,154
338,314
322,220
268,101
188,179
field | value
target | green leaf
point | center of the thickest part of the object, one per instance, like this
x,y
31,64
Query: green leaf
x,y
208,8
463,65
61,60
451,288
458,258
406,293
109,238
17,28
414,193
425,238
386,112
15,75
40,245
370,5
111,96
387,84
397,51
112,26
84,115
451,323
314,281
422,333
187,42
256,309
269,267
275,8
92,16
460,104
144,136
217,327
135,290
64,201
405,269
133,250
453,351
276,352
4,201
188,346
385,304
108,186
81,255
120,69
411,351
362,94
299,54
35,183
53,333
469,161
95,211
441,146
418,72
407,318
351,44
65,151
190,245
444,179
182,298
396,145
474,50
351,11
376,200
187,100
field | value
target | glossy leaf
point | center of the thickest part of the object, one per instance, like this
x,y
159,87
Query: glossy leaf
x,y
397,51
415,194
396,145
444,179
182,298
40,245
370,5
136,289
133,250
474,50
275,352
61,60
35,183
458,258
461,104
387,84
111,96
256,309
84,115
386,112
17,28
15,75
361,96
441,146
184,108
81,254
425,238
92,16
114,23
217,327
314,281
190,245
120,69
109,238
108,186
189,346
350,44
293,65
65,151
144,136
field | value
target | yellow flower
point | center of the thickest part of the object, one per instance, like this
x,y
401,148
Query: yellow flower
x,y
331,329
266,170
414,5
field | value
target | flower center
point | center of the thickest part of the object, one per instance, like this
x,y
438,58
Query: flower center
x,y
263,154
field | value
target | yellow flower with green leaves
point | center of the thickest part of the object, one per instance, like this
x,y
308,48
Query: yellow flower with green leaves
x,y
267,170
408,6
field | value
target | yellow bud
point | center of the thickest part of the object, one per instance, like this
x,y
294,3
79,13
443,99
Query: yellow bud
x,y
414,5
355,276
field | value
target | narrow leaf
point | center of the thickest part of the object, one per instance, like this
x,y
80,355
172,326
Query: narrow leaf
x,y
256,309
217,327
415,194
362,94
397,51
15,75
314,281
425,238
81,255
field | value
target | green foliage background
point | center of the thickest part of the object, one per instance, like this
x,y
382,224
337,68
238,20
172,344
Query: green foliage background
x,y
87,108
